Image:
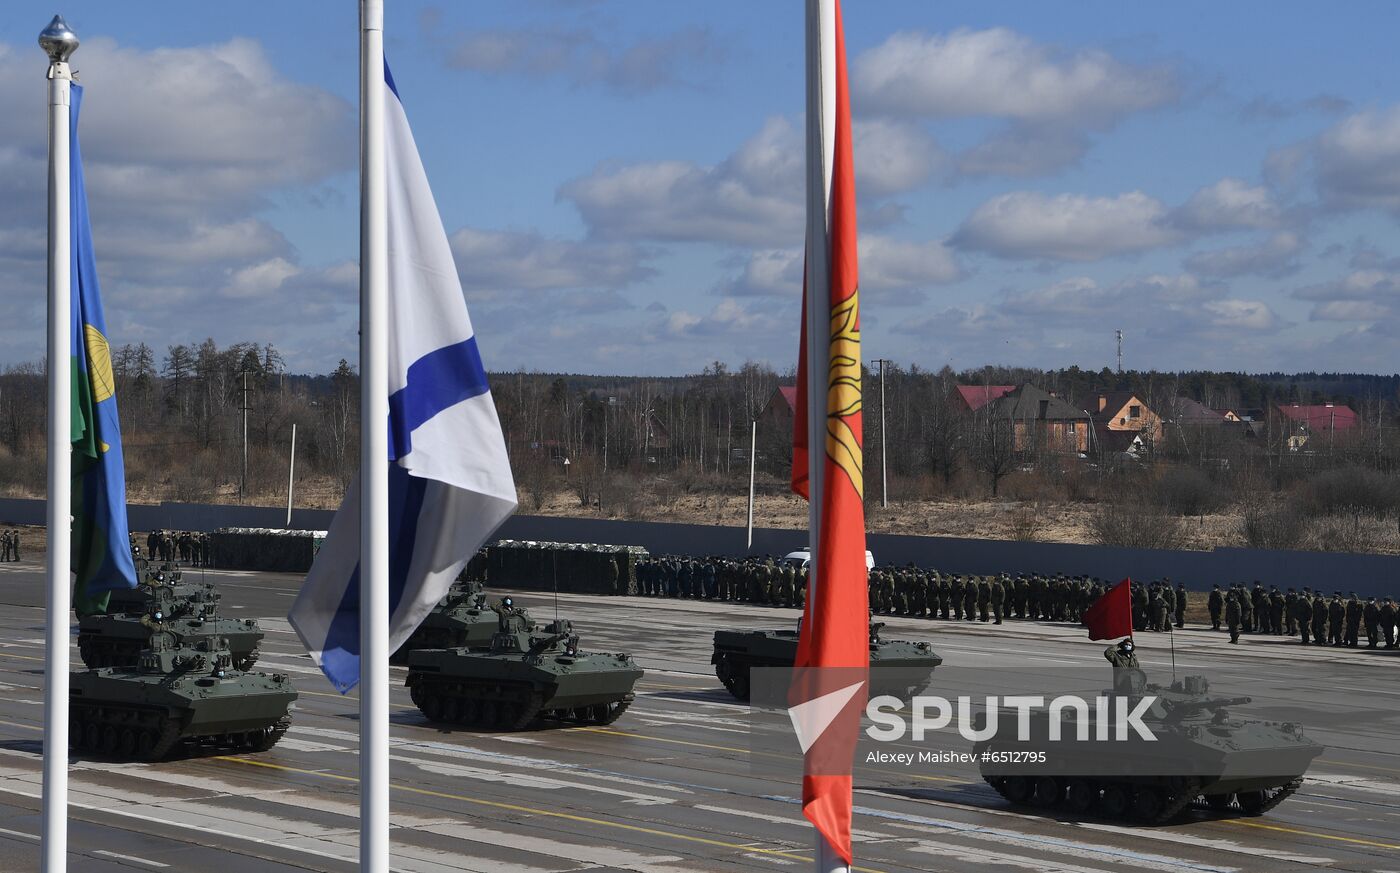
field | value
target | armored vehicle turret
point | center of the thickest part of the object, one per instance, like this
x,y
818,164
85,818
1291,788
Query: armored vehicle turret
x,y
1200,753
526,673
189,609
460,620
176,692
897,667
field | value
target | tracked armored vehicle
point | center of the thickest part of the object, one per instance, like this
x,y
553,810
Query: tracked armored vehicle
x,y
189,610
526,673
133,600
177,692
898,667
1201,755
460,620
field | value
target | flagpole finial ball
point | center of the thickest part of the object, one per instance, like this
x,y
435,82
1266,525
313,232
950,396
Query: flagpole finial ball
x,y
58,40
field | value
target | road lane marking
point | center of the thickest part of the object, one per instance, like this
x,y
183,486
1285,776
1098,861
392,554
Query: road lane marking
x,y
19,834
132,858
530,810
1358,766
1355,840
24,657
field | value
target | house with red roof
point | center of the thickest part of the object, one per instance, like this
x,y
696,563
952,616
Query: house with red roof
x,y
974,397
1321,419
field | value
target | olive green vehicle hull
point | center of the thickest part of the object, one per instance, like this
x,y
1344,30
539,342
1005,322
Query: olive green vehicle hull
x,y
510,691
469,628
117,640
124,713
1199,756
897,667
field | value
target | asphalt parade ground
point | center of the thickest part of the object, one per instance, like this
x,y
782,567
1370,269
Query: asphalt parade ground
x,y
668,787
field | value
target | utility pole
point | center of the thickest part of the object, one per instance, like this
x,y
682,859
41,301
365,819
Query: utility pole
x,y
606,417
243,486
753,457
1120,351
884,468
291,473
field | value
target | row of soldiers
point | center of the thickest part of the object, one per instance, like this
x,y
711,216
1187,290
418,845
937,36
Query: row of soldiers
x,y
1311,615
910,590
751,580
9,545
189,548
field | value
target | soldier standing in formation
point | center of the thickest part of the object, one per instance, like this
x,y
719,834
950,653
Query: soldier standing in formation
x,y
1216,604
1234,613
5,546
1354,612
1336,617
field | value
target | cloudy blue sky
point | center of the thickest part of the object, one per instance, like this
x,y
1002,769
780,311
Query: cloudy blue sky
x,y
621,181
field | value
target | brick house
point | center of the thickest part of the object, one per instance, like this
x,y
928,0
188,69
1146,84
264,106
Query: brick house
x,y
1123,412
1040,420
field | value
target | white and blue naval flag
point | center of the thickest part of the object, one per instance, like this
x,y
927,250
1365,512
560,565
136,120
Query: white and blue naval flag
x,y
450,484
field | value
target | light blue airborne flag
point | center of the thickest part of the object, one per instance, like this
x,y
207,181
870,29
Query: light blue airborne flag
x,y
101,551
450,484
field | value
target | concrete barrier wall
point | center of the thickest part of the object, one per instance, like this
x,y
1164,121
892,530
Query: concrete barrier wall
x,y
1365,574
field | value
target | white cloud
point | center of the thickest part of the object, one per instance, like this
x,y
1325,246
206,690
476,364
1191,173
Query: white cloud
x,y
1067,227
1250,315
1358,160
892,157
767,273
753,197
1228,205
516,260
1350,310
686,57
887,263
998,72
182,149
1275,257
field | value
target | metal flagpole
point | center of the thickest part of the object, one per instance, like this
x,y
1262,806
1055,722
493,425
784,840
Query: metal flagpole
x,y
753,456
821,136
59,42
291,473
374,449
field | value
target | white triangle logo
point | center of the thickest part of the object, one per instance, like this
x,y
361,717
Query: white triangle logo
x,y
811,719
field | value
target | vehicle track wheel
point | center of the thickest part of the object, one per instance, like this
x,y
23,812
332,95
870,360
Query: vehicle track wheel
x,y
1148,803
92,736
1219,802
486,717
1252,802
146,744
110,740
506,715
75,732
452,710
470,712
1016,789
432,707
264,739
126,745
1113,801
1046,791
1080,795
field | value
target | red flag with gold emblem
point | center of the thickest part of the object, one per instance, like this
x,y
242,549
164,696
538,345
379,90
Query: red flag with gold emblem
x,y
833,650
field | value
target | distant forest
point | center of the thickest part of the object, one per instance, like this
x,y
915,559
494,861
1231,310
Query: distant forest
x,y
183,418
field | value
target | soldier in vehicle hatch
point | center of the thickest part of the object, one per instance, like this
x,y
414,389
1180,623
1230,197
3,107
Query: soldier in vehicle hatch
x,y
1123,657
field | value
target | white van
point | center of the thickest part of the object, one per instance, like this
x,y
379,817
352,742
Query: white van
x,y
802,557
